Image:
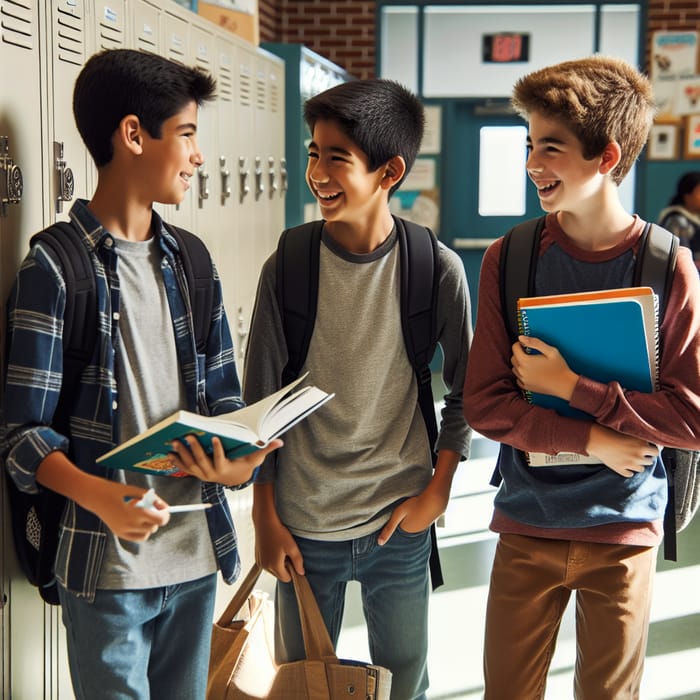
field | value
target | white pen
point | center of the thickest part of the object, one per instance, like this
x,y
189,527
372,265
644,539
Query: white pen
x,y
148,501
188,507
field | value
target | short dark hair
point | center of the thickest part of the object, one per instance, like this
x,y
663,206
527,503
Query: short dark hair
x,y
382,117
117,82
599,98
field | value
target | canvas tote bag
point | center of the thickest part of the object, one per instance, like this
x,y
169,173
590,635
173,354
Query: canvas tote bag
x,y
242,666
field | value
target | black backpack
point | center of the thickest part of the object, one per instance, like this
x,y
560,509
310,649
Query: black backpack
x,y
654,267
297,273
36,517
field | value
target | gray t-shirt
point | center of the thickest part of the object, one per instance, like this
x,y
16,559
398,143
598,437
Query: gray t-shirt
x,y
344,468
150,388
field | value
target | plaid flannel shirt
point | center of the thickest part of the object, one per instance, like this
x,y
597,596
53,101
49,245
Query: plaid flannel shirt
x,y
33,382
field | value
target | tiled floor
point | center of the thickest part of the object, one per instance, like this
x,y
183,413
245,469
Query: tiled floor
x,y
672,669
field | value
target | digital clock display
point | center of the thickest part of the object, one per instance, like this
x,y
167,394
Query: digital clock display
x,y
505,48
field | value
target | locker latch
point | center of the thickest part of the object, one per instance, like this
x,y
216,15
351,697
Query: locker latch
x,y
65,184
203,186
11,183
273,176
283,175
225,176
243,173
259,186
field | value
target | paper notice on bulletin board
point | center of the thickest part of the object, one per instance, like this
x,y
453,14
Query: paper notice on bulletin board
x,y
417,198
674,58
432,132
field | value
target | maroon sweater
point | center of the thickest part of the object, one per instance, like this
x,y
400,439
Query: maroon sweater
x,y
494,405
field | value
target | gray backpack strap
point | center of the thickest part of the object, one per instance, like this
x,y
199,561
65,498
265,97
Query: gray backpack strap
x,y
656,263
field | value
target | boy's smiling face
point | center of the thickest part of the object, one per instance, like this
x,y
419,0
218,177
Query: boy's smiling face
x,y
565,180
338,176
168,163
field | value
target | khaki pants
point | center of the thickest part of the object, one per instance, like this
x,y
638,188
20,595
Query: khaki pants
x,y
531,581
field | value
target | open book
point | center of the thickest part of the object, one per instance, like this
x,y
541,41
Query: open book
x,y
609,335
241,432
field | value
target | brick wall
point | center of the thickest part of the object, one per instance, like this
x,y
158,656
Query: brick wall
x,y
671,15
344,30
340,30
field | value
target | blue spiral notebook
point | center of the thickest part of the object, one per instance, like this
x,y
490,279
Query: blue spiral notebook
x,y
607,336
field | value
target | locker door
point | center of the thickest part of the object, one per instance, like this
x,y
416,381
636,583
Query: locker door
x,y
68,161
108,25
270,138
175,45
245,191
21,213
144,27
229,260
205,184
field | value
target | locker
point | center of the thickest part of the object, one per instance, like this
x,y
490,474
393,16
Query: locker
x,y
109,25
44,166
175,45
144,26
224,173
246,277
204,184
67,160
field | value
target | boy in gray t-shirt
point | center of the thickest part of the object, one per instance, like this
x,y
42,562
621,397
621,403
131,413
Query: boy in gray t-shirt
x,y
352,494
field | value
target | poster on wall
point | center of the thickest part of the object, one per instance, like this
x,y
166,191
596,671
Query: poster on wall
x,y
674,58
418,197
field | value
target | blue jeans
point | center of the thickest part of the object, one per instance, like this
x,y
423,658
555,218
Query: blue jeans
x,y
394,581
141,644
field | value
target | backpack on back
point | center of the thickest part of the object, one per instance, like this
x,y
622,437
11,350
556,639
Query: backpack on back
x,y
655,265
36,517
297,273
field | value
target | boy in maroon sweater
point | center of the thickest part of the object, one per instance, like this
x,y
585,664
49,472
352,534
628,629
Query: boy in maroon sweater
x,y
589,528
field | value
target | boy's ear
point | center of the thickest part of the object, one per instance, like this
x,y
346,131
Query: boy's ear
x,y
610,158
129,134
394,170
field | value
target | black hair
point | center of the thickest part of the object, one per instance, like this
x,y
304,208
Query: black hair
x,y
117,82
685,185
382,117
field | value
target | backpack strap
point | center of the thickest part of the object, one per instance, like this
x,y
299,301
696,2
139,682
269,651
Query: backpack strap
x,y
80,320
655,267
298,255
517,264
197,264
420,280
656,263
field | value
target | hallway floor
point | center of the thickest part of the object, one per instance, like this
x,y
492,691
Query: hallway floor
x,y
672,670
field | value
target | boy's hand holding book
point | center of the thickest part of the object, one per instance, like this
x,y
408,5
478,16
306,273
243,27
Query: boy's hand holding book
x,y
189,456
544,371
624,454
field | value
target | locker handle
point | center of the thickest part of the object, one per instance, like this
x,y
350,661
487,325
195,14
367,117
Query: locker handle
x,y
203,178
259,186
225,176
11,181
283,174
243,173
273,176
65,183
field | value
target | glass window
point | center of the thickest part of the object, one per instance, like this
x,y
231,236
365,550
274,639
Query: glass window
x,y
502,176
399,39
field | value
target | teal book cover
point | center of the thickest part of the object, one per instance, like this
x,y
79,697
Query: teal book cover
x,y
603,339
241,432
